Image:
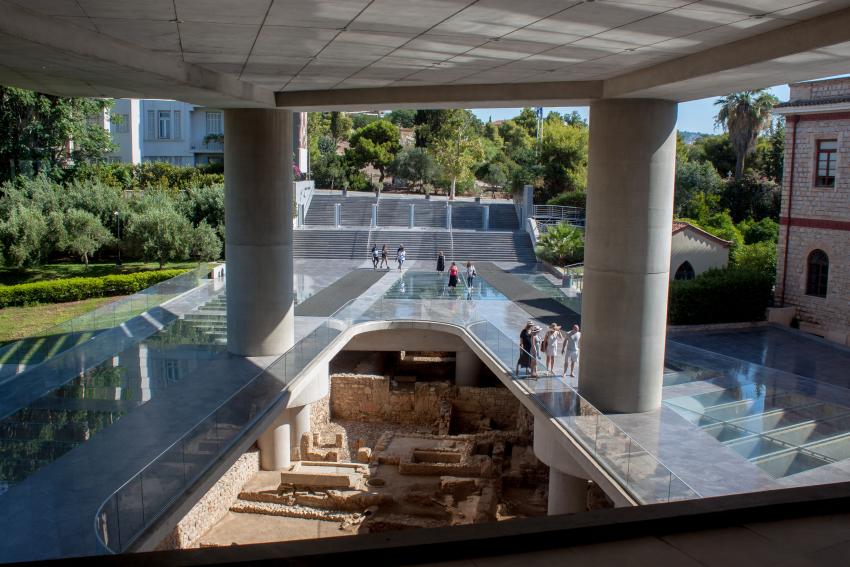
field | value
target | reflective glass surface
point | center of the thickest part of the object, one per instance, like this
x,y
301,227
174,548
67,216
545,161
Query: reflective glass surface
x,y
783,432
63,417
429,285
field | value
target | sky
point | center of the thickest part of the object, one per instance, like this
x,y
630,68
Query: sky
x,y
694,116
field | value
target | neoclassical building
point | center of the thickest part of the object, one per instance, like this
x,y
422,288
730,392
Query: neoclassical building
x,y
813,255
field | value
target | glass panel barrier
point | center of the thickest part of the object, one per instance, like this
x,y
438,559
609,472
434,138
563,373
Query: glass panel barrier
x,y
140,501
19,356
637,470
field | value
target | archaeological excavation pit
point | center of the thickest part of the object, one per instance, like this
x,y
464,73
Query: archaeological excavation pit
x,y
404,439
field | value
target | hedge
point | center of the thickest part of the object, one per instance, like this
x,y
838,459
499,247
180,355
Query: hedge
x,y
720,296
75,289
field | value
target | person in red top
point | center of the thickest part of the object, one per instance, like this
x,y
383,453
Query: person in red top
x,y
453,275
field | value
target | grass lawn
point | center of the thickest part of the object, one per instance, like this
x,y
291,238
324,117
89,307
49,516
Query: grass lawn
x,y
10,276
21,322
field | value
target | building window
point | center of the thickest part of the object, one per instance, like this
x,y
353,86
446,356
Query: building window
x,y
119,123
685,272
214,123
164,132
827,159
817,273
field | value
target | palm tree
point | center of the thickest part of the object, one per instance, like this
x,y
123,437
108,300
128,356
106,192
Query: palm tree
x,y
744,115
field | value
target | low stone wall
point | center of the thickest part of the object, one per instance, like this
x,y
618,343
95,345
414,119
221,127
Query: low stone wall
x,y
381,399
214,504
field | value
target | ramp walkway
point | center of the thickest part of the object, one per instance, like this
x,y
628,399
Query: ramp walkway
x,y
536,302
329,300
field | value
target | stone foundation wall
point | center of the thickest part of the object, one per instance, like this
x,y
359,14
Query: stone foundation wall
x,y
214,504
381,399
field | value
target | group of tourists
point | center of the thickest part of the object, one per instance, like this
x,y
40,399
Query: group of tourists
x,y
382,256
531,346
454,271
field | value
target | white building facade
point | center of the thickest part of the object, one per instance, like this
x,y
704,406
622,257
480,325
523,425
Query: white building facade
x,y
179,133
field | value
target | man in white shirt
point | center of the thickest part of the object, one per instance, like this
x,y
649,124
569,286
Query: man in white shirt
x,y
571,348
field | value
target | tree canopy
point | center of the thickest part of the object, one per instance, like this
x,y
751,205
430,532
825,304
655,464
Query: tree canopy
x,y
744,115
375,144
43,132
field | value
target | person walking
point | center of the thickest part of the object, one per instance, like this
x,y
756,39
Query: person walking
x,y
470,274
375,256
534,352
441,263
399,256
550,345
571,348
524,348
384,261
453,275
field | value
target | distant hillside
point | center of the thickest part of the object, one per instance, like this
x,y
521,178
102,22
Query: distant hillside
x,y
691,137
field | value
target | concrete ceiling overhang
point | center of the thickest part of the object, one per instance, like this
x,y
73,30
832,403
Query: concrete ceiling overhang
x,y
361,54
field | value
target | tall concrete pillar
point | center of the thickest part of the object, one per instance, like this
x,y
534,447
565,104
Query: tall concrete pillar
x,y
275,443
627,253
485,217
467,368
567,493
411,216
299,425
258,204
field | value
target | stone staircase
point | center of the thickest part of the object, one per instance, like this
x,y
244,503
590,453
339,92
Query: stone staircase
x,y
395,212
419,245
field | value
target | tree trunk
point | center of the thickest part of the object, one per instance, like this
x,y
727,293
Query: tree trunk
x,y
452,193
739,165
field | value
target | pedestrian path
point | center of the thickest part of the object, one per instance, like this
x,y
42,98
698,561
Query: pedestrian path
x,y
536,302
326,302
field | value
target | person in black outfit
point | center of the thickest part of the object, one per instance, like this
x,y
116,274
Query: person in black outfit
x,y
441,263
524,347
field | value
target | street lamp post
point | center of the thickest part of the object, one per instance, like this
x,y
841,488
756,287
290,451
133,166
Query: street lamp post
x,y
118,219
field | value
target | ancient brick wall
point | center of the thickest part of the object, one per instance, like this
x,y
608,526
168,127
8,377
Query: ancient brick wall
x,y
378,398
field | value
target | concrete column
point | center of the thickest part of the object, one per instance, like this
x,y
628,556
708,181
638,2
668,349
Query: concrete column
x,y
411,218
567,493
299,425
275,443
467,368
448,217
337,214
627,253
374,215
258,204
485,217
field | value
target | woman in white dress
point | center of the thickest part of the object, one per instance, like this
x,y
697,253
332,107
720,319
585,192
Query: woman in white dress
x,y
551,343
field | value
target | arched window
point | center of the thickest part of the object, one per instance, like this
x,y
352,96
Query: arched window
x,y
817,273
685,272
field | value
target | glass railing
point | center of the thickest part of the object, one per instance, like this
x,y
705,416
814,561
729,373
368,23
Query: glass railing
x,y
639,472
23,354
142,500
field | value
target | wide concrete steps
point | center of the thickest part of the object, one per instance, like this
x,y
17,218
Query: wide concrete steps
x,y
419,245
395,212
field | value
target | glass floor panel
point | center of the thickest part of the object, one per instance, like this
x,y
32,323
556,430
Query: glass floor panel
x,y
428,285
67,416
781,431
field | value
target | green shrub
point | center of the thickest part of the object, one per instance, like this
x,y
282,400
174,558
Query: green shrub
x,y
75,289
720,296
759,257
570,199
561,244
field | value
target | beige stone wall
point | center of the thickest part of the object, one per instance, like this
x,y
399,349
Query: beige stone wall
x,y
703,253
378,398
830,316
213,506
820,89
